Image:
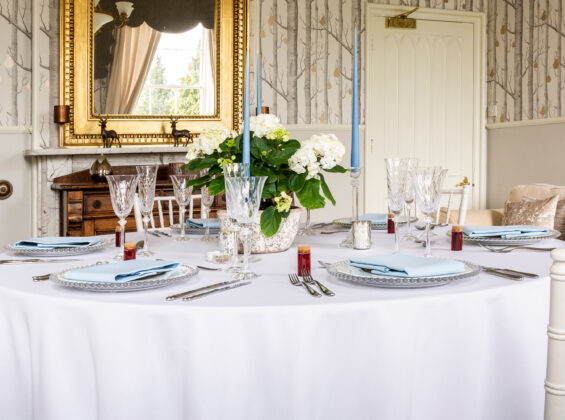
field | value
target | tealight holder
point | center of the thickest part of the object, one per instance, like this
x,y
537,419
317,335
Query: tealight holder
x,y
361,232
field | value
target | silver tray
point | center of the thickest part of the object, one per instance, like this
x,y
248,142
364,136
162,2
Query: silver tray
x,y
181,273
193,231
343,271
57,252
346,221
511,241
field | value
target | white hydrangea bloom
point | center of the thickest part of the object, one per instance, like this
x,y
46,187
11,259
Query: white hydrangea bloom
x,y
265,125
211,138
321,151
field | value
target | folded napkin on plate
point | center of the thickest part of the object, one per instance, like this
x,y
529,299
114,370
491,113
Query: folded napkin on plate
x,y
199,223
505,232
122,271
375,217
398,265
57,242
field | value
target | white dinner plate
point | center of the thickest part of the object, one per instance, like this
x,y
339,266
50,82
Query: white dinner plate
x,y
182,272
57,252
346,221
343,271
510,241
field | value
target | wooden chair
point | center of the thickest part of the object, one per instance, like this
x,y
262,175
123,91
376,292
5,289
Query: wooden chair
x,y
555,376
170,200
463,192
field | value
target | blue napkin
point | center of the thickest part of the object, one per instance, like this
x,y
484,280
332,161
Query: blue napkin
x,y
375,218
122,271
199,223
398,265
505,232
51,242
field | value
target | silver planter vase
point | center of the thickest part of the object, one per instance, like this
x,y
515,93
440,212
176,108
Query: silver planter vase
x,y
279,242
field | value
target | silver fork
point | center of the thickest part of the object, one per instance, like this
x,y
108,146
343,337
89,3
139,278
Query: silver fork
x,y
297,282
511,248
307,278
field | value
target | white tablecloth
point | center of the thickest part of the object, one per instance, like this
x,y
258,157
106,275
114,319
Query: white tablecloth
x,y
474,349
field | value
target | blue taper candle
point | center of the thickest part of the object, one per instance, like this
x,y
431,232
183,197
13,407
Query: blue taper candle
x,y
355,109
246,137
258,75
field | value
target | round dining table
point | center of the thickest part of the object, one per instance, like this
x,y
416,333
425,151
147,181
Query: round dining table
x,y
472,349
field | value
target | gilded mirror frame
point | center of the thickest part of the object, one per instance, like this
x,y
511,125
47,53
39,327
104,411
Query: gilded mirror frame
x,y
77,69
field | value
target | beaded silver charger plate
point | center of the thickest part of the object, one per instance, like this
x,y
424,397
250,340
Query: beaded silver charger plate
x,y
193,231
346,221
57,252
510,241
343,271
151,282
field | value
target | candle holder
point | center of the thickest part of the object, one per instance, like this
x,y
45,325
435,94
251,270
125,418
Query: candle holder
x,y
355,174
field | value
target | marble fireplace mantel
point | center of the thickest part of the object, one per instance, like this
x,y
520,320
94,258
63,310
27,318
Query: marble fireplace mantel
x,y
93,151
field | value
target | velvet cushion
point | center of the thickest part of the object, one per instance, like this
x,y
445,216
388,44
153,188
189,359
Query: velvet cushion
x,y
531,212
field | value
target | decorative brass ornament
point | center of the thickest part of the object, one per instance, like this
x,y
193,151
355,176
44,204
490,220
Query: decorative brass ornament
x,y
77,80
402,21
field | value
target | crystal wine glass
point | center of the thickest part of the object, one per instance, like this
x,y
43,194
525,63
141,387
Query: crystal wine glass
x,y
183,194
408,196
427,185
307,230
122,193
234,170
244,197
146,190
206,201
395,176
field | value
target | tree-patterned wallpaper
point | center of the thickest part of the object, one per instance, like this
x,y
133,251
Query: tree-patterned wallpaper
x,y
306,57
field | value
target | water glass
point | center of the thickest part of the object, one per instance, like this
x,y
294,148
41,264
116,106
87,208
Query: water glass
x,y
122,193
427,185
243,195
146,190
206,201
409,196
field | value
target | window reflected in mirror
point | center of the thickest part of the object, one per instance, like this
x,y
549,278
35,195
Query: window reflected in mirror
x,y
152,58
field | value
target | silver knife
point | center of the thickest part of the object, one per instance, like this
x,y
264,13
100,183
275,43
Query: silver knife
x,y
221,289
506,275
190,292
509,270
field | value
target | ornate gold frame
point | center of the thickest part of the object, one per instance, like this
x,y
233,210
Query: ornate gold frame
x,y
76,81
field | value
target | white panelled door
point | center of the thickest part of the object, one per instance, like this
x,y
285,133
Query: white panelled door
x,y
424,97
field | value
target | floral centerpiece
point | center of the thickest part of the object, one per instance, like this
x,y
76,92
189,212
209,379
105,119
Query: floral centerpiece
x,y
291,166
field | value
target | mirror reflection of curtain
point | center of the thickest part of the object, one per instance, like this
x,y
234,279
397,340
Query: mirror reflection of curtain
x,y
207,79
133,56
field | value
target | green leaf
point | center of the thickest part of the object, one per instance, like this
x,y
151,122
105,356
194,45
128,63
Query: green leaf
x,y
198,182
261,171
326,190
202,163
217,185
278,157
309,196
270,189
258,145
337,168
215,170
291,144
270,221
296,181
282,182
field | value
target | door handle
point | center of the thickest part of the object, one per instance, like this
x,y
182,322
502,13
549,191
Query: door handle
x,y
6,189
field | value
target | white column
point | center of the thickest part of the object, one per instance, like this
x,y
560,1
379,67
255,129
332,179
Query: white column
x,y
555,378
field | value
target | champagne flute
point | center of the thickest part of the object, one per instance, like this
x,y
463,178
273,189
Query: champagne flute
x,y
427,185
183,194
122,193
395,175
409,196
146,190
206,201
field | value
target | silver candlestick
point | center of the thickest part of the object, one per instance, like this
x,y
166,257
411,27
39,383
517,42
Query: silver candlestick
x,y
355,174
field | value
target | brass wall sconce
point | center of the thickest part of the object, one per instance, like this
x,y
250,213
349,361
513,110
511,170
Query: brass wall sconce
x,y
120,16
